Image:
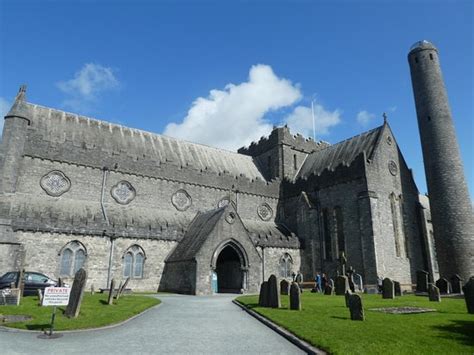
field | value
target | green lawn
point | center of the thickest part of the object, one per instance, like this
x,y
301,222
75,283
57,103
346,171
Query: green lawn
x,y
94,312
325,323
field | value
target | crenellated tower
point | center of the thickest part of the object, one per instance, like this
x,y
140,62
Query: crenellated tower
x,y
451,207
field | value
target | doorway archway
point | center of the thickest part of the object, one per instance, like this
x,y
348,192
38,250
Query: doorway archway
x,y
230,264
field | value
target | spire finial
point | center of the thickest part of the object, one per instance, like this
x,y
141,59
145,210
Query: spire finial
x,y
384,115
21,96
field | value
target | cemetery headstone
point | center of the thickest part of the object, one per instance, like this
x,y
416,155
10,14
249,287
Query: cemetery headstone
x,y
263,297
284,285
92,289
295,297
347,296
398,288
356,308
273,292
331,283
468,290
444,285
124,286
110,300
359,285
421,281
342,264
328,290
40,297
342,285
117,294
456,284
433,293
388,289
77,291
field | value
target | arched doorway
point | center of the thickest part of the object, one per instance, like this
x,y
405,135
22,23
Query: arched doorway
x,y
229,271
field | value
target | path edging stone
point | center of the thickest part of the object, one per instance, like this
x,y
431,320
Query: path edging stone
x,y
303,345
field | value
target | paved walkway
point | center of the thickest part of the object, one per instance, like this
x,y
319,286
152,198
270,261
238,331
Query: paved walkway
x,y
181,325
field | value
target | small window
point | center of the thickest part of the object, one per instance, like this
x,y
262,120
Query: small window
x,y
286,266
431,56
416,60
133,261
72,258
295,161
327,236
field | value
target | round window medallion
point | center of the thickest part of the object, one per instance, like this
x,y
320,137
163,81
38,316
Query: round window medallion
x,y
181,200
123,192
265,212
55,183
392,167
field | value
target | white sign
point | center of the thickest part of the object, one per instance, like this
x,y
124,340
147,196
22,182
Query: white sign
x,y
56,296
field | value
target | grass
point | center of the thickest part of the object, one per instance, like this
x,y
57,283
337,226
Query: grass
x,y
325,323
94,312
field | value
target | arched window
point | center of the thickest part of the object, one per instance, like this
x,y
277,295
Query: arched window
x,y
286,265
72,258
133,261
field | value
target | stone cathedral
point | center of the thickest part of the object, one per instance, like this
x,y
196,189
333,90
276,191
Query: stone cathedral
x,y
172,215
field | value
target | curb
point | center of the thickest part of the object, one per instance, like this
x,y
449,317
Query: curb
x,y
110,326
303,345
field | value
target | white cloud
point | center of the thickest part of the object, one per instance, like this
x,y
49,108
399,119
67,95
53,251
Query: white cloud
x,y
5,106
87,85
364,117
301,120
234,117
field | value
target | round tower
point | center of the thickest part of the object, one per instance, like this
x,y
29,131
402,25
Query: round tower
x,y
451,208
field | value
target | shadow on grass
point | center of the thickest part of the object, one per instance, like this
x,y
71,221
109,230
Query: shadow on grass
x,y
461,330
344,318
38,326
104,302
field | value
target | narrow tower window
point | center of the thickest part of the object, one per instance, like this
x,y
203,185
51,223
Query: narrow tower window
x,y
341,242
431,56
295,162
327,236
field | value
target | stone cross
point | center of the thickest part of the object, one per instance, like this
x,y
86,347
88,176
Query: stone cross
x,y
342,263
388,289
295,297
77,291
273,292
342,285
456,284
356,308
468,290
111,292
284,285
263,296
444,285
398,288
433,293
421,281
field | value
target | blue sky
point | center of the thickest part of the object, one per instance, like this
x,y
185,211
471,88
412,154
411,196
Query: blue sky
x,y
224,72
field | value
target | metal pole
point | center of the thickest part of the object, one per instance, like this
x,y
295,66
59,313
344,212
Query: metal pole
x,y
52,321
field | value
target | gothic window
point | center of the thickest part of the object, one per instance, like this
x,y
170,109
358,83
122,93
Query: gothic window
x,y
133,261
286,265
72,258
327,236
341,241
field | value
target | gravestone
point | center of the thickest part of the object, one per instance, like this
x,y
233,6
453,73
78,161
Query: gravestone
x,y
443,285
342,285
284,285
456,284
359,285
124,286
92,289
273,292
21,282
468,290
40,297
117,294
398,289
110,300
328,290
263,297
347,296
421,281
356,308
433,293
77,291
331,283
295,297
388,289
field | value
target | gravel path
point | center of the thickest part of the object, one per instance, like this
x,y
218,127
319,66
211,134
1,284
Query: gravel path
x,y
181,325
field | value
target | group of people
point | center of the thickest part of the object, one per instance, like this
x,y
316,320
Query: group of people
x,y
321,281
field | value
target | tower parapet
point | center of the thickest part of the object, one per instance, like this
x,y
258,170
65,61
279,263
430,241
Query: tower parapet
x,y
451,208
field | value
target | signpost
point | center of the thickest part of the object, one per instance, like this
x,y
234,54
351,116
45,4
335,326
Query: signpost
x,y
55,296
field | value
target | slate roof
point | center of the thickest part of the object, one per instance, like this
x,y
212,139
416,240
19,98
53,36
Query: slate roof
x,y
270,234
105,138
340,153
196,235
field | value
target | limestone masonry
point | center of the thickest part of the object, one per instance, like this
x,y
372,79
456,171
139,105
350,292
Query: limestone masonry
x,y
177,216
